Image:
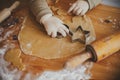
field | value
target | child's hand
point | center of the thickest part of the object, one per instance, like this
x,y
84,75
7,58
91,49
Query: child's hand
x,y
79,7
53,25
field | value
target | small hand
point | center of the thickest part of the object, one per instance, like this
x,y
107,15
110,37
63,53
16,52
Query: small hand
x,y
79,7
53,25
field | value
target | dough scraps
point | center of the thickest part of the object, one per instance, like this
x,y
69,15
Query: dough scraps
x,y
13,56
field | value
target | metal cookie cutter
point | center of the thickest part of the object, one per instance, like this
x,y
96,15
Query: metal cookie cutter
x,y
80,35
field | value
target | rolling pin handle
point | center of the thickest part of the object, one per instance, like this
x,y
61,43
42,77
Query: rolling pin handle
x,y
5,13
15,4
92,51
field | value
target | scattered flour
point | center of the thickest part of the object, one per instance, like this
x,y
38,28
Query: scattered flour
x,y
5,73
7,34
29,45
65,74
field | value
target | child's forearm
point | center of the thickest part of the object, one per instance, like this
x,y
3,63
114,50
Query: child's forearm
x,y
39,8
93,3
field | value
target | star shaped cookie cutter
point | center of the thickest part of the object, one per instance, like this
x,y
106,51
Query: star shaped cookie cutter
x,y
79,35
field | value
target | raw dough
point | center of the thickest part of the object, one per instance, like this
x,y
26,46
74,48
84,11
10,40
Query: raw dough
x,y
13,56
34,40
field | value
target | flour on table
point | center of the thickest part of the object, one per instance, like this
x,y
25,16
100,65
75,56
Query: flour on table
x,y
65,74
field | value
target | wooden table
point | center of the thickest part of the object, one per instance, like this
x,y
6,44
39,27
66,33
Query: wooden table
x,y
107,69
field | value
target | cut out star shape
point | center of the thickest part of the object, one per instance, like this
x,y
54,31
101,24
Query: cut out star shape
x,y
80,35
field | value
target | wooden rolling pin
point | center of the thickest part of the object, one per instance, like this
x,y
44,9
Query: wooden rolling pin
x,y
5,13
97,51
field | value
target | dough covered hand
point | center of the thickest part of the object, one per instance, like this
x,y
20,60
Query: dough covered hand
x,y
54,25
80,7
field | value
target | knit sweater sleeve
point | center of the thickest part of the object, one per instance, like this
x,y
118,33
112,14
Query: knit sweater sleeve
x,y
93,3
39,8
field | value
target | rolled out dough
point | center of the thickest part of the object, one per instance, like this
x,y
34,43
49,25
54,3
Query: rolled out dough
x,y
34,41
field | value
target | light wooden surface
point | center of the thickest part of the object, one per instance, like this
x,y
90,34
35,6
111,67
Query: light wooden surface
x,y
107,69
